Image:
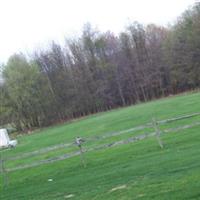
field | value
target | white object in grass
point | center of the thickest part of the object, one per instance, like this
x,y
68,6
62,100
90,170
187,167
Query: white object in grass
x,y
5,140
118,188
69,196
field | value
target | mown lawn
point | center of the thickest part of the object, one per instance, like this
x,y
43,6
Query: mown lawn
x,y
139,170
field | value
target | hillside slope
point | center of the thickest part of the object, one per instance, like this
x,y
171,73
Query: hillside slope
x,y
120,164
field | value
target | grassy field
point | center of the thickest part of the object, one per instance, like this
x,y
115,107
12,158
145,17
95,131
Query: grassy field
x,y
136,170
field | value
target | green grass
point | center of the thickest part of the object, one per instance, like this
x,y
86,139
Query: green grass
x,y
145,170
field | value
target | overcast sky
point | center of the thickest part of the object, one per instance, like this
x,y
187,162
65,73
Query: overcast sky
x,y
29,24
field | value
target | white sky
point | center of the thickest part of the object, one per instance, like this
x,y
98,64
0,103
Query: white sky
x,y
29,24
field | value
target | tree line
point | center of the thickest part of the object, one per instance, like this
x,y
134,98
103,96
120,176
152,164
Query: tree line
x,y
99,71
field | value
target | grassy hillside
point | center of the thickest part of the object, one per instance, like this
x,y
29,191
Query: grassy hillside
x,y
129,170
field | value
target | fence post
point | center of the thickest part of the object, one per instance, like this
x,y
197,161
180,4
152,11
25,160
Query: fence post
x,y
82,156
3,171
157,131
79,142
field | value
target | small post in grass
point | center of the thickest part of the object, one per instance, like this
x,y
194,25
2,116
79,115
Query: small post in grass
x,y
3,171
157,130
79,142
